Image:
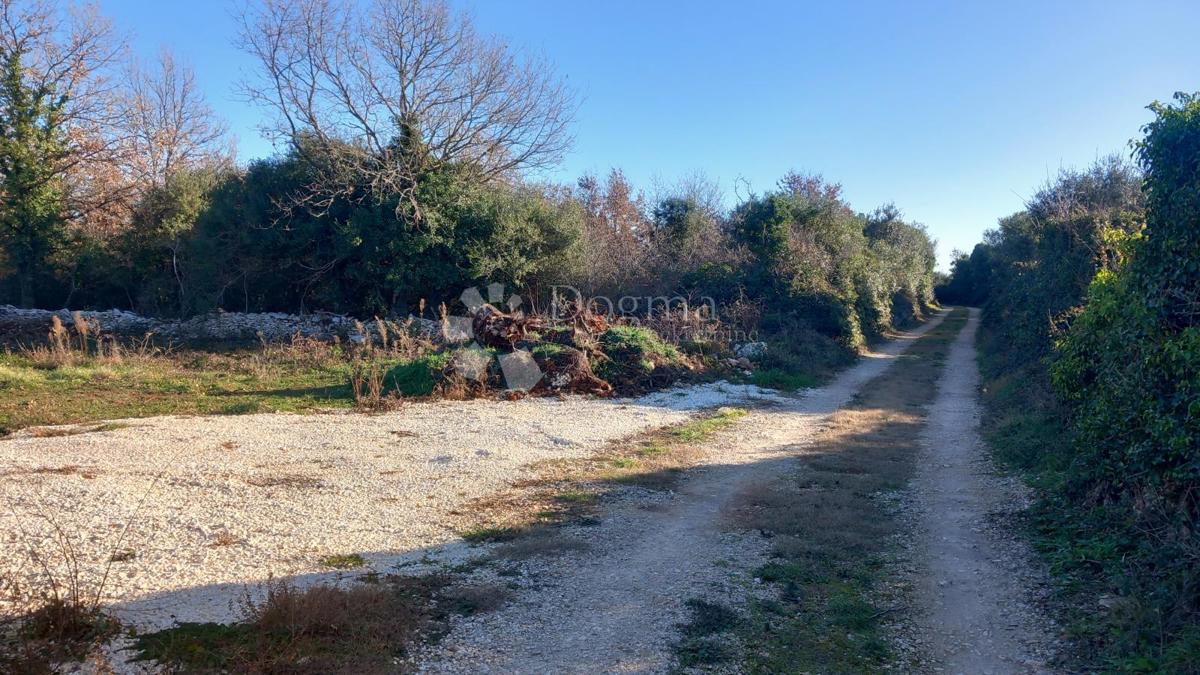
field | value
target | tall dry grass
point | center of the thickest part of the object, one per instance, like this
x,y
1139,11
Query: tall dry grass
x,y
85,342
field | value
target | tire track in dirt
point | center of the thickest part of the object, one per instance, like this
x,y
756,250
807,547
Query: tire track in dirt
x,y
976,580
616,607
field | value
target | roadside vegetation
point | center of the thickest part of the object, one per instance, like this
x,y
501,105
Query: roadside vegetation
x,y
1091,355
362,626
187,383
569,492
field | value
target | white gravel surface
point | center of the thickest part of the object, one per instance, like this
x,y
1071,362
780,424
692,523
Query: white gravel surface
x,y
200,509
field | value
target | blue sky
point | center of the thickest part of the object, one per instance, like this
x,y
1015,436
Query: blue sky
x,y
955,111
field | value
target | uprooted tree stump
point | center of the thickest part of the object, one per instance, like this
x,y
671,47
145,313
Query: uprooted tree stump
x,y
494,328
569,371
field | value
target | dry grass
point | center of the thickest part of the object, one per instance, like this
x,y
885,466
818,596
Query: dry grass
x,y
78,374
539,543
59,432
382,346
83,342
358,628
55,632
226,538
367,386
60,617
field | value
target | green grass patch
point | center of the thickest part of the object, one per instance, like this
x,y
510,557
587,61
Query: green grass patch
x,y
418,377
783,380
636,358
575,496
637,340
702,429
653,450
346,561
32,394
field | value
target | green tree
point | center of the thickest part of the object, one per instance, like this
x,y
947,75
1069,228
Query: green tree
x,y
32,145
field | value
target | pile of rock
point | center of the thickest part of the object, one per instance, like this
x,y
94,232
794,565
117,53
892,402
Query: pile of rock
x,y
746,354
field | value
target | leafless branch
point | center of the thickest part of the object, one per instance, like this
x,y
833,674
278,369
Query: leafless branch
x,y
378,88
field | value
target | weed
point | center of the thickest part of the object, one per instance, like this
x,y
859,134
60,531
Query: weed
x,y
241,408
708,618
487,534
652,450
575,496
123,555
345,561
542,542
226,538
704,428
56,631
783,380
61,618
366,383
703,651
636,358
700,644
418,377
319,629
293,480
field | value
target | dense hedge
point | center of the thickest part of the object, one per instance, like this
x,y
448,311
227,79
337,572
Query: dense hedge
x,y
1101,300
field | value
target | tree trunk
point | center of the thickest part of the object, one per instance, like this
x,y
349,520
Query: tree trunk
x,y
25,281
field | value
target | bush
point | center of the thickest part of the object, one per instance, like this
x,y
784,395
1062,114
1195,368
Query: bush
x,y
418,377
1130,369
1081,296
636,358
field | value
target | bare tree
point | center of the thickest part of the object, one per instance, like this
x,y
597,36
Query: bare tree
x,y
380,87
171,126
616,234
69,53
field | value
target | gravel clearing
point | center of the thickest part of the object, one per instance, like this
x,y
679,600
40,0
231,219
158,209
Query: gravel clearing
x,y
616,606
193,512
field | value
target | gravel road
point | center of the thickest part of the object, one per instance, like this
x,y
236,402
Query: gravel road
x,y
215,503
194,511
975,580
615,607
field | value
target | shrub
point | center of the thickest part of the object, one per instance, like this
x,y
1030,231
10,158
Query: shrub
x,y
417,377
1079,295
1130,369
635,358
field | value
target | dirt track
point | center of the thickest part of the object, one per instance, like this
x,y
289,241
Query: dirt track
x,y
614,607
976,582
